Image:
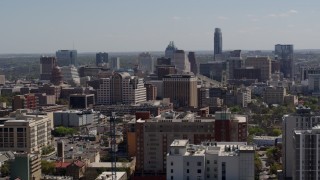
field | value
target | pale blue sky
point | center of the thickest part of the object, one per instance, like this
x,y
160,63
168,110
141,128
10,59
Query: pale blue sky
x,y
40,26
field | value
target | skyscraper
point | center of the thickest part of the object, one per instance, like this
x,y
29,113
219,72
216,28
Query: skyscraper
x,y
181,89
193,63
217,41
284,54
46,66
181,61
114,63
67,57
101,57
170,50
146,62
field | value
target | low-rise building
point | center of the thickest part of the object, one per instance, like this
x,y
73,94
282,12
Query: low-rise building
x,y
74,118
210,160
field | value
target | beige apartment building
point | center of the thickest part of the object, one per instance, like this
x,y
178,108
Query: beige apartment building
x,y
121,88
181,89
25,133
262,63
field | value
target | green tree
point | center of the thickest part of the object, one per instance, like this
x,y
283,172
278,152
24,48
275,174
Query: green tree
x,y
63,131
47,150
5,169
276,132
275,167
257,165
47,167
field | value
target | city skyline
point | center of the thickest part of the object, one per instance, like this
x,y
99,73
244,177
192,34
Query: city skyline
x,y
42,27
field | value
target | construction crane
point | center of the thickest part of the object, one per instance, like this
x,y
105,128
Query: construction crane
x,y
113,146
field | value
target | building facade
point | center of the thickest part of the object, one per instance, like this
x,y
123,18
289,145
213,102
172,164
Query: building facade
x,y
284,54
303,119
146,62
121,88
66,57
46,66
27,133
181,89
181,61
274,95
210,161
217,41
102,58
306,152
262,63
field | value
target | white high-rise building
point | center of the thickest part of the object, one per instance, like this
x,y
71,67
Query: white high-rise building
x,y
146,62
210,160
121,88
303,119
306,162
70,75
114,63
181,61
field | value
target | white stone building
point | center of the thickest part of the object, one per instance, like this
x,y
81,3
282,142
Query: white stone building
x,y
212,160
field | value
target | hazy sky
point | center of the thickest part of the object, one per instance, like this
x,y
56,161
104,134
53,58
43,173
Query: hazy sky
x,y
39,26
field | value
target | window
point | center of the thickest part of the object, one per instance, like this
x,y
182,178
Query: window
x,y
199,171
171,170
187,177
171,163
187,163
199,163
171,177
208,162
187,170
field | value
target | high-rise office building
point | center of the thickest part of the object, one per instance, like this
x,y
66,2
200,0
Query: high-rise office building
x,y
180,60
193,63
217,41
46,66
262,63
284,54
146,62
170,50
306,154
181,89
114,63
26,166
101,58
234,61
70,75
213,69
303,119
66,57
163,61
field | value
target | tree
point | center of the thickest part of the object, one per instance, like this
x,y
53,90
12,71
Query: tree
x,y
274,168
63,131
257,165
276,132
5,169
47,167
47,150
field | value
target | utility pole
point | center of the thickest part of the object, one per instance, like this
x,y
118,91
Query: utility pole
x,y
113,146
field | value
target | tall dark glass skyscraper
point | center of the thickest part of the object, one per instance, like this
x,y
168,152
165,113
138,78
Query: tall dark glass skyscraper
x,y
284,54
217,41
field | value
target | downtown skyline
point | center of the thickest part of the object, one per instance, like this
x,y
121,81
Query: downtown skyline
x,y
43,27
